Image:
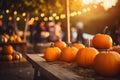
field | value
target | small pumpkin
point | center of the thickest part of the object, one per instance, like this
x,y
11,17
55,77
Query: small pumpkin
x,y
78,45
107,63
60,44
8,50
18,39
102,41
52,53
17,56
7,57
68,53
85,57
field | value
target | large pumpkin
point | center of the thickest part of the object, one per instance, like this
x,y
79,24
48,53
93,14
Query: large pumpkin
x,y
102,41
78,45
52,53
7,57
68,54
60,44
85,57
7,50
107,63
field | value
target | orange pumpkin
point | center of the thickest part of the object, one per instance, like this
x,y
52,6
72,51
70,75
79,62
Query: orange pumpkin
x,y
52,53
102,41
78,45
7,50
7,57
68,54
60,44
107,63
85,57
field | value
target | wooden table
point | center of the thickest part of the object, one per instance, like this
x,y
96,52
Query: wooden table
x,y
45,71
18,46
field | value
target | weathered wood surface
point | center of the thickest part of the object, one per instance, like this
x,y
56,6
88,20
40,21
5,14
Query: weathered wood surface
x,y
51,72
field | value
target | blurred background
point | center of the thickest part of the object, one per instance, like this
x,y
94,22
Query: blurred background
x,y
94,14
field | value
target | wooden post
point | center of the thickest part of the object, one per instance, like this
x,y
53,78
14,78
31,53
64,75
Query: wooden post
x,y
68,21
26,27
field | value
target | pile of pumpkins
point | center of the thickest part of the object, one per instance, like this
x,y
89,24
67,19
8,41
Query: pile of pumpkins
x,y
8,53
99,56
4,38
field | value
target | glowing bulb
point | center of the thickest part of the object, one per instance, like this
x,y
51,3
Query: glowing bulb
x,y
50,18
23,14
54,14
7,11
18,19
15,12
62,16
79,12
42,14
10,18
45,19
57,17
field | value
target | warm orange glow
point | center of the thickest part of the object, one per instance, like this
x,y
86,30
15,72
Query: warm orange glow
x,y
1,16
10,18
45,19
105,3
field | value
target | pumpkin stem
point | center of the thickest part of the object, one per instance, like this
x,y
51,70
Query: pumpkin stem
x,y
52,44
69,44
105,30
88,42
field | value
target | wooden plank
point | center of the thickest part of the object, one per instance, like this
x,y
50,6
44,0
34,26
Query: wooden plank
x,y
49,71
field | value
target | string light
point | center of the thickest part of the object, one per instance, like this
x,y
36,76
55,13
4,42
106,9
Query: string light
x,y
42,14
79,12
57,17
18,19
45,19
50,18
23,14
62,16
1,16
7,11
84,10
95,6
54,14
10,18
15,12
36,18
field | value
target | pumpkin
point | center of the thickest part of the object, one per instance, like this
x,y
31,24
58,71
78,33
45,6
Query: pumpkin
x,y
52,53
102,41
7,50
78,45
17,56
85,57
68,53
116,48
107,63
7,57
18,39
3,39
11,39
60,44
